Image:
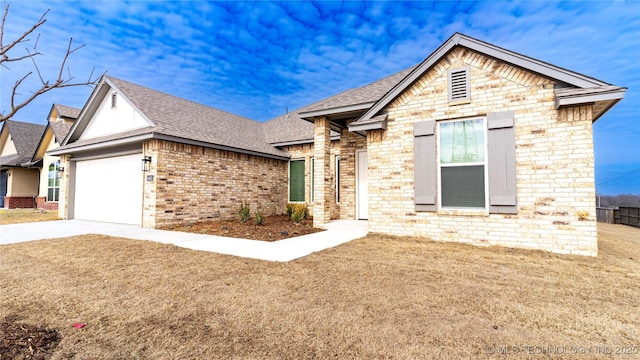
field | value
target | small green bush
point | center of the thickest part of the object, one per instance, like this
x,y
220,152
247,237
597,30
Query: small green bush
x,y
244,212
290,207
299,213
258,218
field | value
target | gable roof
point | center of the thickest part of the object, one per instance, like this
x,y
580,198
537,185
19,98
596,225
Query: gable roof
x,y
60,130
66,111
25,137
172,118
565,77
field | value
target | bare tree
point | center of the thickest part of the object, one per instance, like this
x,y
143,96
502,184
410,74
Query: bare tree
x,y
64,78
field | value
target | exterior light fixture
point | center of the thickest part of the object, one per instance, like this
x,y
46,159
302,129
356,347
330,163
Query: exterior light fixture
x,y
146,163
61,168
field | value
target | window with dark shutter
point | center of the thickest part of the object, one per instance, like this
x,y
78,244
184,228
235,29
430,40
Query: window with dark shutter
x,y
458,80
462,164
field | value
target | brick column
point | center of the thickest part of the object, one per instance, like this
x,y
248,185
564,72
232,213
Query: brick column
x,y
322,172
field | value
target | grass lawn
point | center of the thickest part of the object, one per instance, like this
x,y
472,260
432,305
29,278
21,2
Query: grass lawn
x,y
17,216
376,297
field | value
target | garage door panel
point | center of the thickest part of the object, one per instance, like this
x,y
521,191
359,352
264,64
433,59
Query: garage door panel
x,y
109,190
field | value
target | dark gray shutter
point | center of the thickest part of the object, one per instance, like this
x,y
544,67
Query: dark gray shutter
x,y
502,162
424,151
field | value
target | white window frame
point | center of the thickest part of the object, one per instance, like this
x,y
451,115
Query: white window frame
x,y
312,172
484,163
289,179
337,176
56,174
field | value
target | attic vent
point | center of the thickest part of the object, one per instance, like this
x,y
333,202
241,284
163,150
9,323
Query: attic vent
x,y
459,84
114,100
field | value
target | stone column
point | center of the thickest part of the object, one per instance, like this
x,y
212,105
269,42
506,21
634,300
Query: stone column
x,y
322,171
63,196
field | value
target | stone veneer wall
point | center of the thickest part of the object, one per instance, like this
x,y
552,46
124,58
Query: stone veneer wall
x,y
349,143
554,155
63,196
305,151
192,183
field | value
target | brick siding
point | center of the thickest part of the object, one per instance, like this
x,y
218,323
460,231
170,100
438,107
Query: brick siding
x,y
192,183
43,204
554,155
19,202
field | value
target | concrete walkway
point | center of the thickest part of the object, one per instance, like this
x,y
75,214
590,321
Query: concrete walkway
x,y
338,232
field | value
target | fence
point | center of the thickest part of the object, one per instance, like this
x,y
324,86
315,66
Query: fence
x,y
623,215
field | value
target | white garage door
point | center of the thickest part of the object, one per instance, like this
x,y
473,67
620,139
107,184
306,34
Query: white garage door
x,y
109,190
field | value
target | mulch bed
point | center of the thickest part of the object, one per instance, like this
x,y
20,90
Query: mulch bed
x,y
275,227
24,341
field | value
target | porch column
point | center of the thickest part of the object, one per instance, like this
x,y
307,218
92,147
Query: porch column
x,y
322,172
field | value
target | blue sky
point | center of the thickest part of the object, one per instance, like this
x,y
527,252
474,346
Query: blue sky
x,y
257,59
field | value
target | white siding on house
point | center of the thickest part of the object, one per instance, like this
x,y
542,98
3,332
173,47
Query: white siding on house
x,y
108,120
8,147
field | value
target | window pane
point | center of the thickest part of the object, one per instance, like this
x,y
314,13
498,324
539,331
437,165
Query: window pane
x,y
52,174
462,141
56,195
296,180
463,186
50,194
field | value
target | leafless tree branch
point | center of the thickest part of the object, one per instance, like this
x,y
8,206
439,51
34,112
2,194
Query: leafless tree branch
x,y
61,81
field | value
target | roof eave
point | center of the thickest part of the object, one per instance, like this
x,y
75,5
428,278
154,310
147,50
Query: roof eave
x,y
218,146
159,136
608,97
69,149
301,141
348,109
378,125
566,98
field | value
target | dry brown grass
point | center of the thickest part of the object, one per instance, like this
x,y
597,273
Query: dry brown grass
x,y
17,216
377,297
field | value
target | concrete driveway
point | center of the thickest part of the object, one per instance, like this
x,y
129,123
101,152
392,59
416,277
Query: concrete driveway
x,y
338,232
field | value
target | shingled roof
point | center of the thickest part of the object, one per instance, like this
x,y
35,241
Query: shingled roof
x,y
292,128
181,120
67,111
60,130
25,137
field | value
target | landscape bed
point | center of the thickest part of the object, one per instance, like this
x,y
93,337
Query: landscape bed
x,y
275,227
376,297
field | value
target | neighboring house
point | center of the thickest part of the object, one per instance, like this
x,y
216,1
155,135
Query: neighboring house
x,y
60,120
18,185
475,144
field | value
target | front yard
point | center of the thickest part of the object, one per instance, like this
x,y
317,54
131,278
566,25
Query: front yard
x,y
376,297
17,216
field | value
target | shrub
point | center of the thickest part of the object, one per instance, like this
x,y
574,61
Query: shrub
x,y
258,218
244,212
299,213
290,207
